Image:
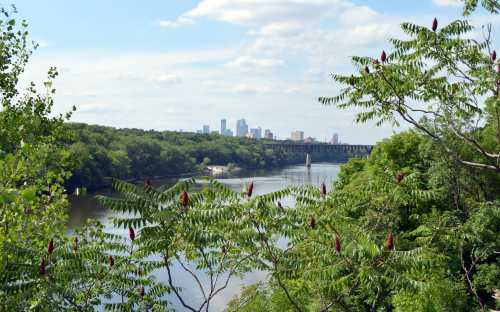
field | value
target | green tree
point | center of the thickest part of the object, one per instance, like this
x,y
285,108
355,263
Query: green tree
x,y
41,269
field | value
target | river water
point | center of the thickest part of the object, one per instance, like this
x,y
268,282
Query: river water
x,y
265,181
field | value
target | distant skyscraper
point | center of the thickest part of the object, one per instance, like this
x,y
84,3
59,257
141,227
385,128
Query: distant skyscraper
x,y
335,138
206,129
309,140
297,135
268,134
256,133
241,128
229,132
223,127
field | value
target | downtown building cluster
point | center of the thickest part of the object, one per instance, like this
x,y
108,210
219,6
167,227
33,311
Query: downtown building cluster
x,y
298,136
242,130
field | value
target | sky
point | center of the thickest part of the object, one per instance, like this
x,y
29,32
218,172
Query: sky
x,y
180,64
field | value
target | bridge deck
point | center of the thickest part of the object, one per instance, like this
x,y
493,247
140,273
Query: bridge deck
x,y
322,147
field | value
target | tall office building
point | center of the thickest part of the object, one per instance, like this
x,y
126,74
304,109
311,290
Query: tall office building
x,y
297,135
223,127
335,138
241,128
268,134
206,129
256,133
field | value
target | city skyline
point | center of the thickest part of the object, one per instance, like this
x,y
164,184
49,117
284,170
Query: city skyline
x,y
244,129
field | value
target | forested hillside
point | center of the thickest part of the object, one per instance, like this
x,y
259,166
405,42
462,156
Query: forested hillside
x,y
102,152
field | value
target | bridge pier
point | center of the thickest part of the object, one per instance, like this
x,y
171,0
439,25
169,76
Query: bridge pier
x,y
308,160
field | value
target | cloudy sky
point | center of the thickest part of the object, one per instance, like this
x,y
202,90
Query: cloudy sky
x,y
179,64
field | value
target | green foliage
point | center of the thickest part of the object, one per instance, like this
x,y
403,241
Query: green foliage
x,y
201,236
444,295
67,275
78,276
444,260
221,232
446,86
491,5
436,81
32,166
14,52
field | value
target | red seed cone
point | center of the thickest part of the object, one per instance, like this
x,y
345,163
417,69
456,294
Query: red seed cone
x,y
494,55
141,291
131,233
399,177
250,189
111,261
279,205
312,223
50,246
323,189
498,69
389,243
383,56
184,199
375,62
367,70
434,24
41,267
338,246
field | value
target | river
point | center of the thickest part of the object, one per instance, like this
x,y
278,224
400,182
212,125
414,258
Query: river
x,y
265,181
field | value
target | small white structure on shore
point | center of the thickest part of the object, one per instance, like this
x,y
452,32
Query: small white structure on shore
x,y
215,170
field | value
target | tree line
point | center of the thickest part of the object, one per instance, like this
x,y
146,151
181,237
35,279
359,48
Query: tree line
x,y
100,153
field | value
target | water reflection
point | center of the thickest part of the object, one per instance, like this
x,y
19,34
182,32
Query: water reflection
x,y
86,207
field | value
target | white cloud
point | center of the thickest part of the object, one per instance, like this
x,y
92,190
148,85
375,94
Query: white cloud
x,y
181,21
93,108
448,2
367,33
249,88
256,12
358,14
248,62
281,30
164,78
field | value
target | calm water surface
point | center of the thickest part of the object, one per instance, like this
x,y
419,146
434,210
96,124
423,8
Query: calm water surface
x,y
265,181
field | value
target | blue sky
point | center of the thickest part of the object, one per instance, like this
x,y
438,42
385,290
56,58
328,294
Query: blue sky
x,y
179,64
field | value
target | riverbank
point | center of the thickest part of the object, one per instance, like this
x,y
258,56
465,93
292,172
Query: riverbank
x,y
265,180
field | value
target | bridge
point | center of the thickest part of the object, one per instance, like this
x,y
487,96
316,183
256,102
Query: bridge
x,y
322,151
